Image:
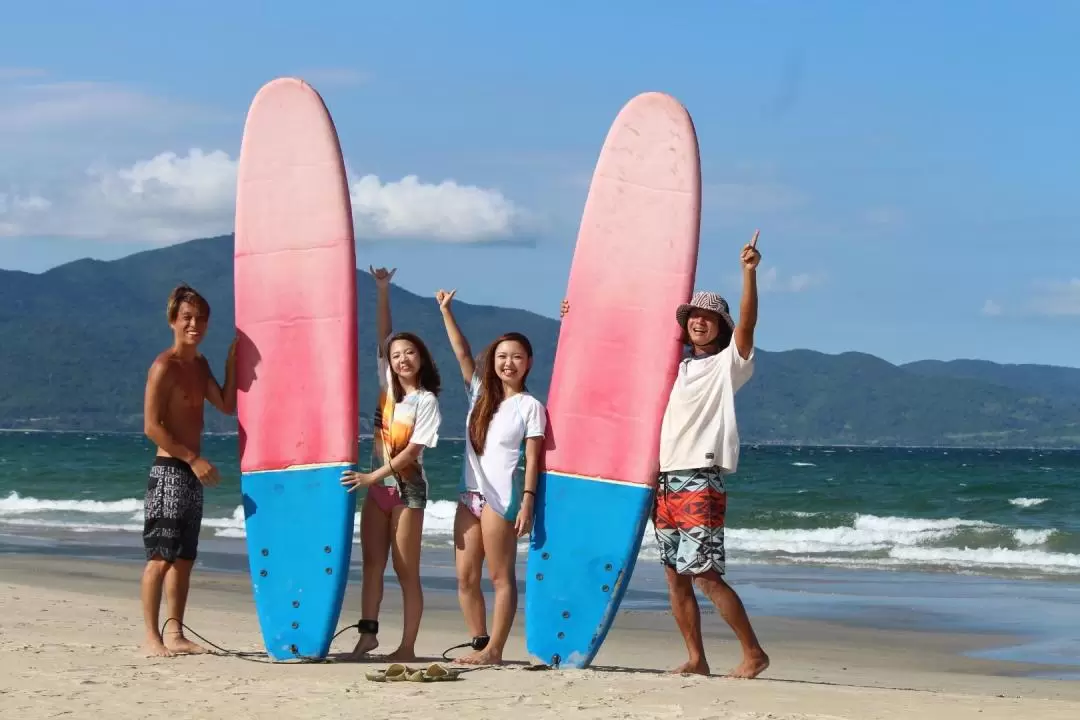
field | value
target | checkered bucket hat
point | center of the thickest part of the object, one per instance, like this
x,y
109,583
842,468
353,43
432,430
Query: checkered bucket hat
x,y
705,300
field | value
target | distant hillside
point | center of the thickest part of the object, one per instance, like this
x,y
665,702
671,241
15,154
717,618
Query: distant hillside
x,y
854,398
1056,382
78,339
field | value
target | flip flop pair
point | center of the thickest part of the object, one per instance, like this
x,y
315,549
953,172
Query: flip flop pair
x,y
403,673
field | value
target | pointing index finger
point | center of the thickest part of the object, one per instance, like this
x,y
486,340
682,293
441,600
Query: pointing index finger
x,y
753,240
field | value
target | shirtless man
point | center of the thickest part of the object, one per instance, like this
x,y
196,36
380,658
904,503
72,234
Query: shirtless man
x,y
178,385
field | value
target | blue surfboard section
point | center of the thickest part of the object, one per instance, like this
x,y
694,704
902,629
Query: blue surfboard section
x,y
585,542
299,526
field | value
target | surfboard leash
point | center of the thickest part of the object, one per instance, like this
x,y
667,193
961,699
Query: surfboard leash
x,y
477,643
257,656
243,655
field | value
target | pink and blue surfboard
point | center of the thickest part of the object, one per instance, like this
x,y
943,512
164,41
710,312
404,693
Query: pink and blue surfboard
x,y
617,356
297,404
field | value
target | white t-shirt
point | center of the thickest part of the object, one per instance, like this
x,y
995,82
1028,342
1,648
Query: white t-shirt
x,y
699,428
495,473
415,419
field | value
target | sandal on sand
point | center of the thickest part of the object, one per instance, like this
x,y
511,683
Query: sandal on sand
x,y
434,673
395,673
403,673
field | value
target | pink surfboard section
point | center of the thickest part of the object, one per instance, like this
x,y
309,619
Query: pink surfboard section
x,y
295,285
634,263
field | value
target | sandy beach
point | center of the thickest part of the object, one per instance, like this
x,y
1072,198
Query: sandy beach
x,y
70,629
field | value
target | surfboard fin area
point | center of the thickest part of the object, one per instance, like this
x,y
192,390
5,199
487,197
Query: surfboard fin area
x,y
300,569
634,263
582,554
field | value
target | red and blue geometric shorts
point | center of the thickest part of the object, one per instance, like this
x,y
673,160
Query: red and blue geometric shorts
x,y
689,520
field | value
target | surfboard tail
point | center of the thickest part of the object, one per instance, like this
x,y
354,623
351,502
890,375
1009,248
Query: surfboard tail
x,y
585,543
299,572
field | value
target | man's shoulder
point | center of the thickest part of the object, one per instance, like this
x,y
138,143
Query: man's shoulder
x,y
162,363
167,363
730,355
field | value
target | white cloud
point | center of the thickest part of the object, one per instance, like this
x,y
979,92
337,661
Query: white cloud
x,y
1051,298
771,280
1057,298
15,208
447,211
165,199
22,203
172,197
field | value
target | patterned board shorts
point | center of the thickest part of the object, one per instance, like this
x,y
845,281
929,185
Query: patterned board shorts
x,y
689,520
173,508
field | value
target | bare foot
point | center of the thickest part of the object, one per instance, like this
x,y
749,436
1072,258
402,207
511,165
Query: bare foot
x,y
692,667
364,646
487,656
153,647
401,656
751,666
180,645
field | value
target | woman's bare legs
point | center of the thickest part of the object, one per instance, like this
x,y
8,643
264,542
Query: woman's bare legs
x,y
406,528
500,547
469,559
375,545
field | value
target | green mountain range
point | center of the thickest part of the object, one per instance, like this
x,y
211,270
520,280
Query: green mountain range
x,y
77,342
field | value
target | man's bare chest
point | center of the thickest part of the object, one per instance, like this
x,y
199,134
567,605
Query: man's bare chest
x,y
188,389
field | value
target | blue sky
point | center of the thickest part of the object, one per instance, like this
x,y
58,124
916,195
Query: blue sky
x,y
914,167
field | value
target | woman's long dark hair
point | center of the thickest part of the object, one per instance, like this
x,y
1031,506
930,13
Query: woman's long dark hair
x,y
427,377
491,390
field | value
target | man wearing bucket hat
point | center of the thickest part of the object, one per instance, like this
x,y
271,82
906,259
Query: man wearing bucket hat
x,y
699,445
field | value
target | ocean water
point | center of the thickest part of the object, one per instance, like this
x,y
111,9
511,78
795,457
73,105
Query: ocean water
x,y
1010,513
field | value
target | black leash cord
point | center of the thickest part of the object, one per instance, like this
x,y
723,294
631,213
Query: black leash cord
x,y
258,657
477,643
